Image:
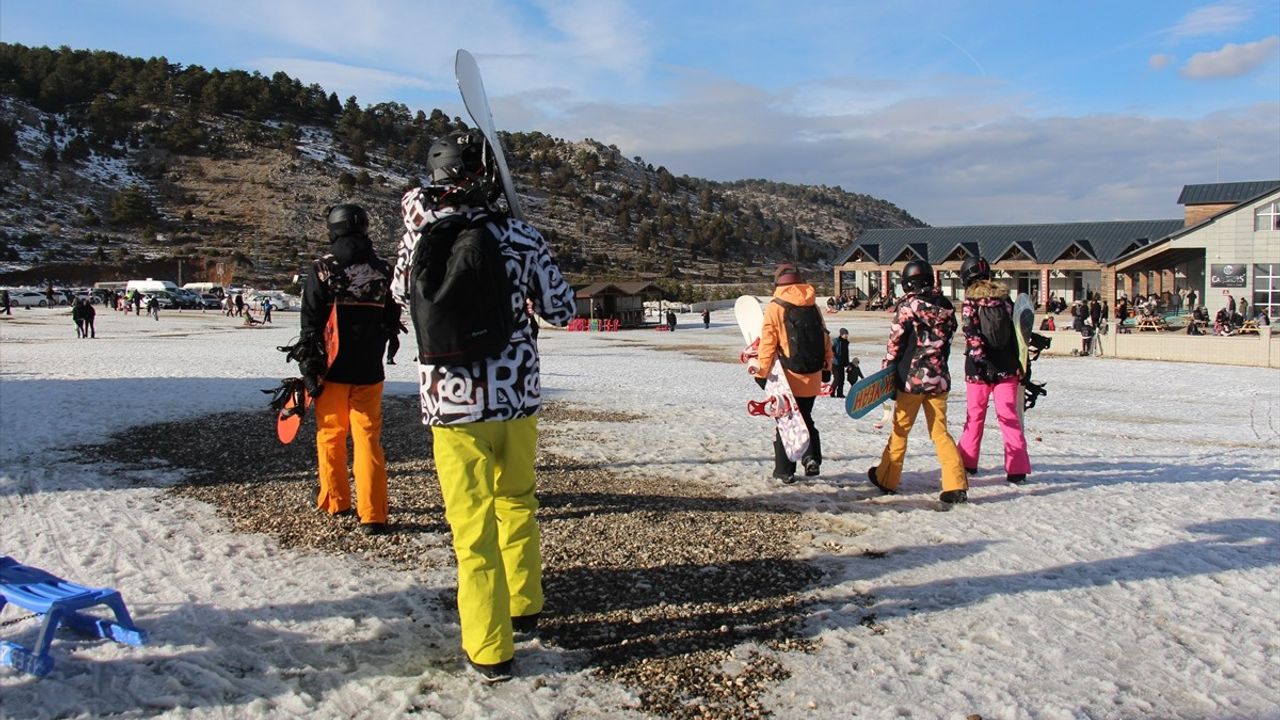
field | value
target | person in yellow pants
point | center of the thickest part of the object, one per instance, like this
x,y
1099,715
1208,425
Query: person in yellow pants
x,y
919,347
481,402
348,313
888,474
490,506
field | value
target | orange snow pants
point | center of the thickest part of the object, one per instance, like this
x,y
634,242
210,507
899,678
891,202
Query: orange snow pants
x,y
889,472
354,410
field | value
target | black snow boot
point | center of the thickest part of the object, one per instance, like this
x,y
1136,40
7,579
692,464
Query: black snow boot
x,y
871,475
954,497
1017,477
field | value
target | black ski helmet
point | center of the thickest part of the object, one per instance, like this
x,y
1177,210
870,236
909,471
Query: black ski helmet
x,y
974,269
457,157
346,219
917,275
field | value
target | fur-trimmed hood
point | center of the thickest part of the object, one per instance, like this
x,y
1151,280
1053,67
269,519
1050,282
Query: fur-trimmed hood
x,y
983,289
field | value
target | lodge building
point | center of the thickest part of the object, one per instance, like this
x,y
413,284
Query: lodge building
x,y
1228,241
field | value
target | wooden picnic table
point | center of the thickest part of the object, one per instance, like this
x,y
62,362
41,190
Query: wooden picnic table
x,y
1250,327
1153,323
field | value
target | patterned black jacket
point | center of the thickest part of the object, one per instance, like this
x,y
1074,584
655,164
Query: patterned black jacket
x,y
359,282
508,386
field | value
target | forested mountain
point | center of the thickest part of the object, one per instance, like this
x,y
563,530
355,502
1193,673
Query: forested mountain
x,y
116,166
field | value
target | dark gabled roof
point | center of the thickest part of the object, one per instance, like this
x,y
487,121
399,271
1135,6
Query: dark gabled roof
x,y
638,287
620,288
1218,193
1045,243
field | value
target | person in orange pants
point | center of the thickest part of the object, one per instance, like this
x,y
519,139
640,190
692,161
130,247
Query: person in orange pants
x,y
347,315
343,410
919,346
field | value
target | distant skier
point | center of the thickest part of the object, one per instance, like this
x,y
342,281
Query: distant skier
x,y
794,332
706,318
5,302
919,347
671,321
77,316
481,397
990,368
839,362
266,310
393,337
352,277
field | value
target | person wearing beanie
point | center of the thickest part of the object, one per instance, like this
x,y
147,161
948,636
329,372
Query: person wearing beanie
x,y
806,358
348,292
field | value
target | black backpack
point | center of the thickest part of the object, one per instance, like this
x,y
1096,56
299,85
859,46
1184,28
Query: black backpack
x,y
806,338
996,326
462,299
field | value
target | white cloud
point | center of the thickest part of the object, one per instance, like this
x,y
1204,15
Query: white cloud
x,y
1231,61
1211,20
579,45
345,80
1160,61
959,158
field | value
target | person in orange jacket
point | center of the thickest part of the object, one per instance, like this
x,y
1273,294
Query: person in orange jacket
x,y
806,360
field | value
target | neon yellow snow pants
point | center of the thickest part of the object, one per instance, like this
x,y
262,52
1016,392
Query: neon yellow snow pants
x,y
487,480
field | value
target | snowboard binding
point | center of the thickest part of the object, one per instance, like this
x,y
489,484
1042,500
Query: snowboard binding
x,y
1033,391
774,407
289,401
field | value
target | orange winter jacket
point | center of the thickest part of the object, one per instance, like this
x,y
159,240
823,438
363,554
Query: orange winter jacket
x,y
773,337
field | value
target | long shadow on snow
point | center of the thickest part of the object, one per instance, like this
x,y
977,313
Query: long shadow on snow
x,y
919,489
1237,544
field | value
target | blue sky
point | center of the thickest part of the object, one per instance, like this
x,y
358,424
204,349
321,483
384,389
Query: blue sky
x,y
959,112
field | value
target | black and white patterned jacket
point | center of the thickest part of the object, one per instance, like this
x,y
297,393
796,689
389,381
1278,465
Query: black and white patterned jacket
x,y
508,386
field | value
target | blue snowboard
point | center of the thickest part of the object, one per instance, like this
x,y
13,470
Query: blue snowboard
x,y
870,392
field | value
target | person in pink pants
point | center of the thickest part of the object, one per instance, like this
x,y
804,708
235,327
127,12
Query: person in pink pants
x,y
991,369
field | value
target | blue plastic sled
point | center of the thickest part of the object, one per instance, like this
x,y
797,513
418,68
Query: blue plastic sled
x,y
59,602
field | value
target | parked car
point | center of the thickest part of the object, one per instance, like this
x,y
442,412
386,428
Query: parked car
x,y
210,301
185,298
165,298
28,298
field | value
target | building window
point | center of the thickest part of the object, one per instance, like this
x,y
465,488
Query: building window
x,y
1267,217
1266,288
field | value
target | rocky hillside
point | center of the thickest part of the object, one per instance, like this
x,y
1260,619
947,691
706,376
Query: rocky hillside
x,y
117,172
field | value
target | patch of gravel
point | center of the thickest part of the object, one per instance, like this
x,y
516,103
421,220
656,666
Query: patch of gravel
x,y
662,584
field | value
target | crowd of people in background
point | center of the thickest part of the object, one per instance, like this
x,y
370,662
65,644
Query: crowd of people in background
x,y
84,313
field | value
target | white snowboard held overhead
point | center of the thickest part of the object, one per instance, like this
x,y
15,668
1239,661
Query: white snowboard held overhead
x,y
471,86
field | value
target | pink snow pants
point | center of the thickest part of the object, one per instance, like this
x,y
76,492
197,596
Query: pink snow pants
x,y
1015,443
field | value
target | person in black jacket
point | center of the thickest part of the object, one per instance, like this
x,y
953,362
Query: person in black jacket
x,y
347,294
840,360
87,314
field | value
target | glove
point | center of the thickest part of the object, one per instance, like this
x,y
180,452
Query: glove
x,y
826,376
312,385
761,382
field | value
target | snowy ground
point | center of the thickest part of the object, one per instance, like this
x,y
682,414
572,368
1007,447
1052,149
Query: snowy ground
x,y
1134,576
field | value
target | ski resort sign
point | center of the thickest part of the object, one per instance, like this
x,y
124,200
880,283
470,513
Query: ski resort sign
x,y
1227,276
